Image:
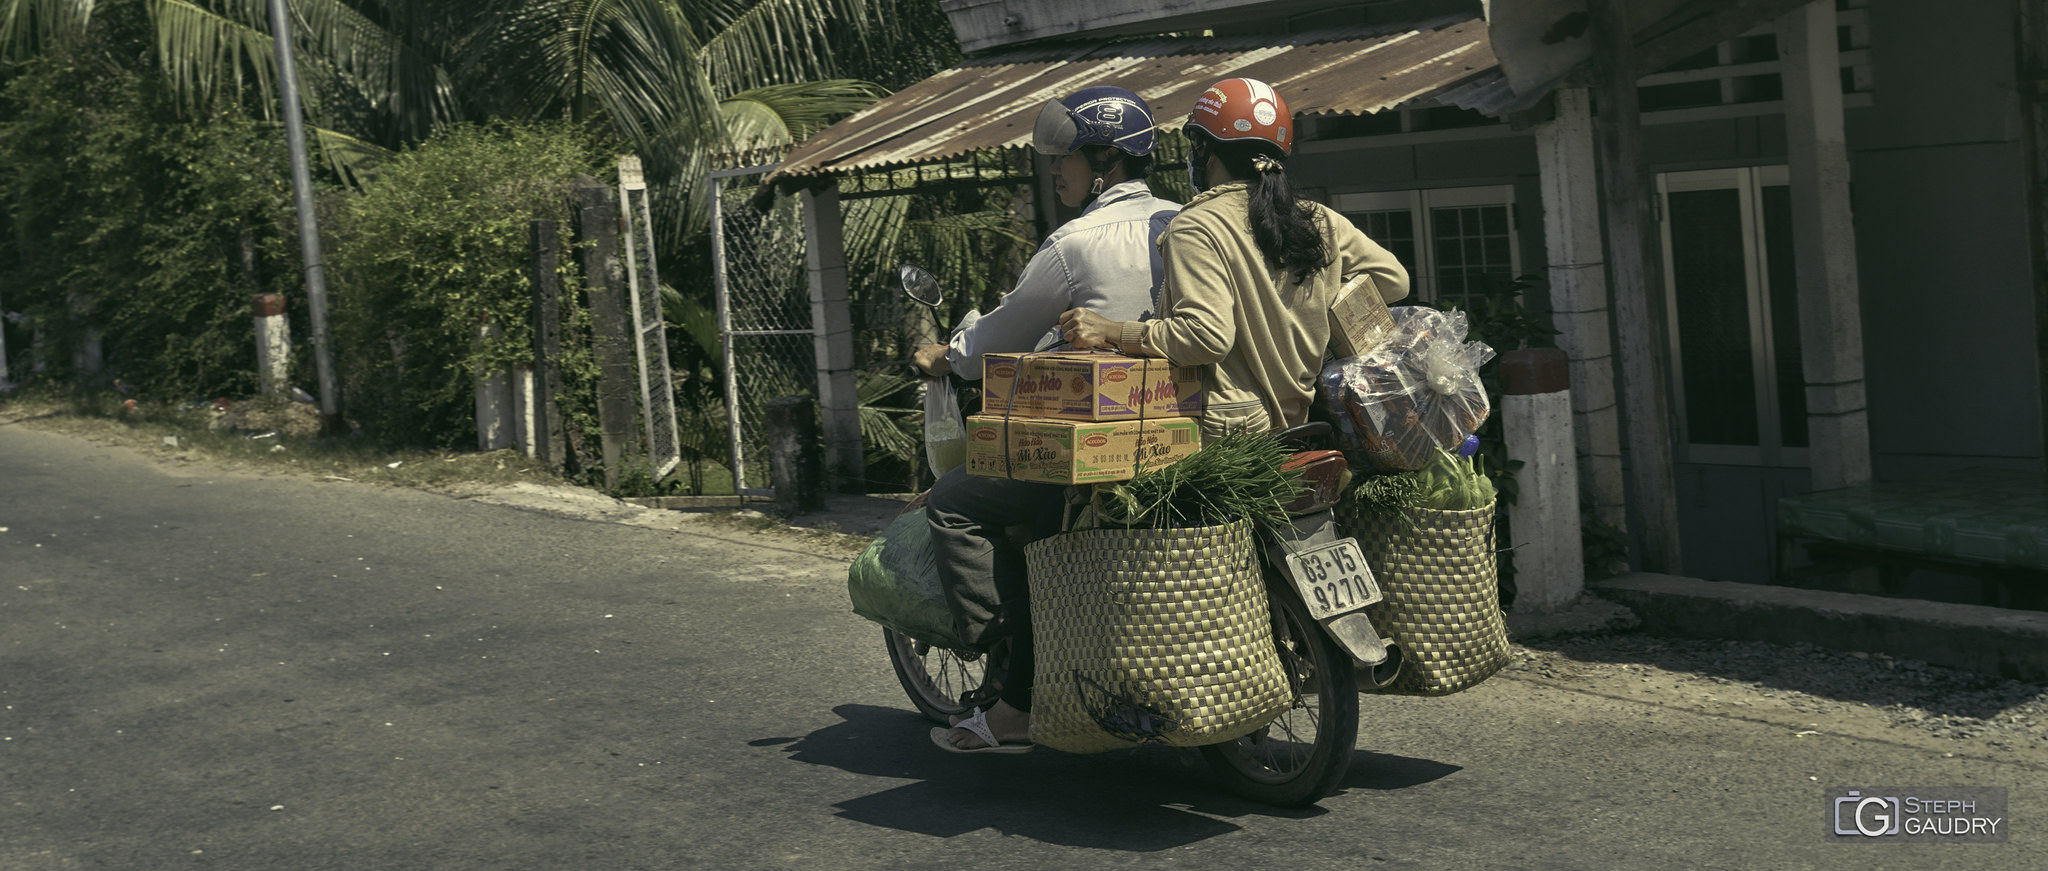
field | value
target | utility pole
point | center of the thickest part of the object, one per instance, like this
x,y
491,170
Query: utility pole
x,y
309,230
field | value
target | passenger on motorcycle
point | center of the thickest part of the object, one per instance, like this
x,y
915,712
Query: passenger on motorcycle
x,y
1250,270
1107,260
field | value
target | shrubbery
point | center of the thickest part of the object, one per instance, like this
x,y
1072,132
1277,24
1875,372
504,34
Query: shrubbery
x,y
436,246
138,230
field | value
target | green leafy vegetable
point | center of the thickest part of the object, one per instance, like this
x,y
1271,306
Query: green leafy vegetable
x,y
1234,477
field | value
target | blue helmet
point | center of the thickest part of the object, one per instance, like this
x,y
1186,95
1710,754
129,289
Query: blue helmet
x,y
1102,115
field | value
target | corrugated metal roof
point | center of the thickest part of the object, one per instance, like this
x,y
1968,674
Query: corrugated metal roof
x,y
991,102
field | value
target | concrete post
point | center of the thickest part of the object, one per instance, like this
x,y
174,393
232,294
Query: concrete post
x,y
88,357
1536,422
1566,161
527,433
604,274
1824,244
493,401
273,345
793,466
832,330
548,443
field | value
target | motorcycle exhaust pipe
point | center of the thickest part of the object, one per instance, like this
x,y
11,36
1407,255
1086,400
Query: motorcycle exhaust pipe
x,y
1381,675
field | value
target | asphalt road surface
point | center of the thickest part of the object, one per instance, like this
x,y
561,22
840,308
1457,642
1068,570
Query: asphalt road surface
x,y
208,669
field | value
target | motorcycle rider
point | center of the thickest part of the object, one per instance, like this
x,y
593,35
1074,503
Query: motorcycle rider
x,y
1108,261
1250,270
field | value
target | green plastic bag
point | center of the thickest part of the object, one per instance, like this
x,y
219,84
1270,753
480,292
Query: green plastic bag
x,y
895,582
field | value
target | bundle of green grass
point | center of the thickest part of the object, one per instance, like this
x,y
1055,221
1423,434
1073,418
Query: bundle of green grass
x,y
1448,483
1235,477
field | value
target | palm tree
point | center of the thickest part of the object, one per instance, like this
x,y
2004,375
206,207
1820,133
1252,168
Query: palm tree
x,y
675,81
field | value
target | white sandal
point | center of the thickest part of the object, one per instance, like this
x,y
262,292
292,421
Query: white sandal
x,y
977,724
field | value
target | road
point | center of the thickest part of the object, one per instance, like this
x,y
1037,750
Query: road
x,y
203,668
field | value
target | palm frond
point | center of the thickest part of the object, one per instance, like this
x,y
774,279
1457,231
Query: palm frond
x,y
395,76
636,60
785,114
756,43
28,25
206,54
351,158
694,318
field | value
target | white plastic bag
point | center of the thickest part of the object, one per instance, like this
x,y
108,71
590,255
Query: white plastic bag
x,y
945,435
1419,390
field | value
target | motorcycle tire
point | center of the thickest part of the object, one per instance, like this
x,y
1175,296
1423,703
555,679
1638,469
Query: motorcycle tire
x,y
938,681
1298,758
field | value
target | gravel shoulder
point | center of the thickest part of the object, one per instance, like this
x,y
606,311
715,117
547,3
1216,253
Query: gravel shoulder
x,y
1807,690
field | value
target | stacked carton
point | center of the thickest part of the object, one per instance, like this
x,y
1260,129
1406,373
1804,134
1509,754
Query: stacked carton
x,y
1082,417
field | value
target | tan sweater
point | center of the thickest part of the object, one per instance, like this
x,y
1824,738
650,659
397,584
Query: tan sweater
x,y
1258,333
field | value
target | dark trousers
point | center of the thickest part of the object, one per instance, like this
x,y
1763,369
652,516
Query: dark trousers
x,y
982,573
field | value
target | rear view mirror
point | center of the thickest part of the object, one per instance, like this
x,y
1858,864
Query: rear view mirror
x,y
919,284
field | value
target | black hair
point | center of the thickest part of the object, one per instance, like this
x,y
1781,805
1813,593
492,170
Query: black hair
x,y
1286,229
1103,158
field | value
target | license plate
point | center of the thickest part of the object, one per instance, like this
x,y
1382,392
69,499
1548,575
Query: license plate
x,y
1333,579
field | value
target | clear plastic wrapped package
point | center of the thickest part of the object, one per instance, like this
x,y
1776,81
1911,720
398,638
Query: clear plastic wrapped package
x,y
1419,390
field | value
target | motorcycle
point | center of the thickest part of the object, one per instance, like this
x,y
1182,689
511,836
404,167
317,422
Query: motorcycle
x,y
1317,586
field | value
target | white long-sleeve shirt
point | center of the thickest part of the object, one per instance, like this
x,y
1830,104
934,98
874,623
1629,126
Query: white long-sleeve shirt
x,y
1107,260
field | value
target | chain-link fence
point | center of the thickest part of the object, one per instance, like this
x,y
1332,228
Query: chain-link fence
x,y
972,221
650,337
764,313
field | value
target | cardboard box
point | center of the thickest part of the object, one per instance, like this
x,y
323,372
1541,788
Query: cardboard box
x,y
1088,385
1075,451
1359,319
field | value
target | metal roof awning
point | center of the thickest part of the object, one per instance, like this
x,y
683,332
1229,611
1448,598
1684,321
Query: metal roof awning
x,y
991,102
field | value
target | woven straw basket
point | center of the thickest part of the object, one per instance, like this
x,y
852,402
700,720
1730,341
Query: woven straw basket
x,y
1151,636
1442,607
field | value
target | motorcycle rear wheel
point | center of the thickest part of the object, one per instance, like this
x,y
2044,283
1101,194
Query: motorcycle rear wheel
x,y
936,679
1298,758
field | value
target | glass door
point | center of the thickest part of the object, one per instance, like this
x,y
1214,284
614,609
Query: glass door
x,y
1733,317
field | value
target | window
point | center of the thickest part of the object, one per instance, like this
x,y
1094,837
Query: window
x,y
1746,69
1458,243
1733,312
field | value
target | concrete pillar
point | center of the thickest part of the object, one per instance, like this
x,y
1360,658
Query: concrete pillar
x,y
832,331
549,441
604,280
793,465
90,358
1566,161
527,432
1536,422
273,345
493,401
1824,243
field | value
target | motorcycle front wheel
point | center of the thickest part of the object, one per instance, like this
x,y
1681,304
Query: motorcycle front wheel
x,y
936,679
1299,757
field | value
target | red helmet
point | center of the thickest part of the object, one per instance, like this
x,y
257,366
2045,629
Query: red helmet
x,y
1240,108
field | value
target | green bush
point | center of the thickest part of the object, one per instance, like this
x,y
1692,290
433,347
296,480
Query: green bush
x,y
138,228
436,246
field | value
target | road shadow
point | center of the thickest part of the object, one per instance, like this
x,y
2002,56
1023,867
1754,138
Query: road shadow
x,y
1386,772
1872,679
1141,800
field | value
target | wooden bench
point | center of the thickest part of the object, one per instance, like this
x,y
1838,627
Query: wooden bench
x,y
1986,523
